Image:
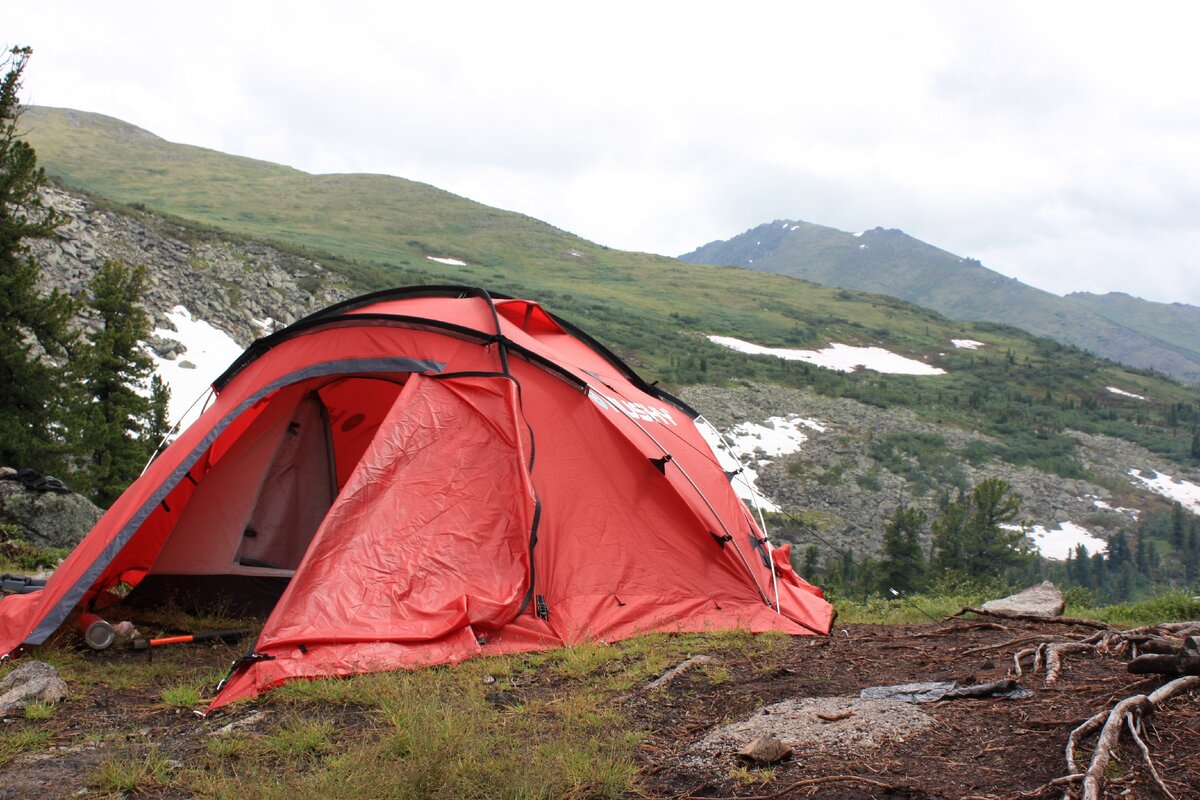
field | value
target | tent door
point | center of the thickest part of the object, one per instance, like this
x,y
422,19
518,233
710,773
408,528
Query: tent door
x,y
295,494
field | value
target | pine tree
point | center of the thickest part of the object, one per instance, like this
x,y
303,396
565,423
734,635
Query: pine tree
x,y
124,408
35,334
972,538
903,566
1118,551
812,558
1177,527
1083,567
1191,562
1142,560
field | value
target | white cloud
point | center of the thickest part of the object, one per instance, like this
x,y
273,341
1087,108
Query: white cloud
x,y
1053,141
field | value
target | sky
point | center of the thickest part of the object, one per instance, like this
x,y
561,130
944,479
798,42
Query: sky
x,y
1058,143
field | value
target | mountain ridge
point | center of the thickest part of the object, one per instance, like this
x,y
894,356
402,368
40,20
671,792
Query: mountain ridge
x,y
260,240
656,313
889,261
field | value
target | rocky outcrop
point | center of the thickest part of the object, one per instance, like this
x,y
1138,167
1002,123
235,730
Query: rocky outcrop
x,y
837,483
46,519
226,282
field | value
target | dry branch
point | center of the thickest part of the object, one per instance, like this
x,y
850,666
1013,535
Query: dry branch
x,y
808,782
677,670
1086,623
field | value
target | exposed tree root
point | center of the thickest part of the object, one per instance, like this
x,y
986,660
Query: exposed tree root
x,y
677,670
1048,654
1086,623
1133,725
1129,711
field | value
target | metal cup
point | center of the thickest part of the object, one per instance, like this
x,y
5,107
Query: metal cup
x,y
98,634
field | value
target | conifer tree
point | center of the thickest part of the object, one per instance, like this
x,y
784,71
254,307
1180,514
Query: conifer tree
x,y
811,566
124,407
35,334
1083,567
903,566
1177,527
1142,560
1191,562
970,536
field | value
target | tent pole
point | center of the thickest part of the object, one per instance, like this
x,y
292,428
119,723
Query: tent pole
x,y
205,395
688,477
735,453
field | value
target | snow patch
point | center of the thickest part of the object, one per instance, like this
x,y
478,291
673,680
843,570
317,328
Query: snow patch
x,y
451,262
967,344
840,357
1105,506
1124,393
860,233
1183,492
1056,543
206,353
776,436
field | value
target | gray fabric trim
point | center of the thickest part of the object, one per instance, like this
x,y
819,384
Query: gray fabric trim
x,y
53,618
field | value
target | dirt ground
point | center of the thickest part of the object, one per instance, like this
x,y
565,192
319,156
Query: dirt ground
x,y
987,748
974,748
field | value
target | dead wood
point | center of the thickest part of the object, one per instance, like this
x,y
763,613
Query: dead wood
x,y
1086,623
1037,637
677,670
809,782
1110,724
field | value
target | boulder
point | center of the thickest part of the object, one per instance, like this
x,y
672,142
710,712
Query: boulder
x,y
47,519
765,749
31,680
1043,600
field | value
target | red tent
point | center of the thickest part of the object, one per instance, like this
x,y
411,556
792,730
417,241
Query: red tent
x,y
435,473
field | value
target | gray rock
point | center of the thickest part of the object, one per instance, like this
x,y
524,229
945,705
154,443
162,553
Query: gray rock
x,y
766,749
220,281
1043,600
846,492
31,680
47,519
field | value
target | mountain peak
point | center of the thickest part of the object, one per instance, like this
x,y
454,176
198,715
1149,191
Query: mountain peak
x,y
888,261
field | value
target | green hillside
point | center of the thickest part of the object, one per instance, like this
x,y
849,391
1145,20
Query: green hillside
x,y
653,311
893,263
1175,326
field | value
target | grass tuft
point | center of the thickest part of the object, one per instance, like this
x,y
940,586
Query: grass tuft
x,y
22,740
39,710
130,773
184,696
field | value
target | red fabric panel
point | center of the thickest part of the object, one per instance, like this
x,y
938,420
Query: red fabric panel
x,y
430,535
356,408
